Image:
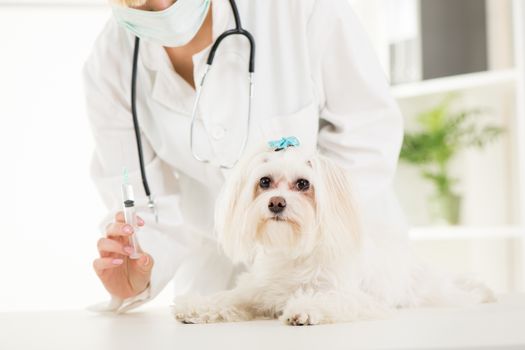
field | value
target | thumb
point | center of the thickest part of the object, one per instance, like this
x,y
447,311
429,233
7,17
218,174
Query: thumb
x,y
144,263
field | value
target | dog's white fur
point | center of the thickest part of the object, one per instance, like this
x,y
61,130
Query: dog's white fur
x,y
312,266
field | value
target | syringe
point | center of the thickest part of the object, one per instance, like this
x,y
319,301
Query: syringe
x,y
129,216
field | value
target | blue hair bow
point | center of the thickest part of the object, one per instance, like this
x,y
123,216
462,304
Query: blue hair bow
x,y
284,143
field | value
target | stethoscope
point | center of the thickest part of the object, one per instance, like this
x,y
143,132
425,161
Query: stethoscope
x,y
238,30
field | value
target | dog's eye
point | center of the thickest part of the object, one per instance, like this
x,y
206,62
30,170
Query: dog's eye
x,y
302,185
265,182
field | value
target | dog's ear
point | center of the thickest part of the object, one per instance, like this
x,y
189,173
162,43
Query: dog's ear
x,y
230,215
337,214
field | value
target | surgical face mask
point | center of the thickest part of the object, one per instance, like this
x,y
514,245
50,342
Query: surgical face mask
x,y
172,27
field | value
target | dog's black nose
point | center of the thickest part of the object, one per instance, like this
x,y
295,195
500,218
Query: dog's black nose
x,y
277,204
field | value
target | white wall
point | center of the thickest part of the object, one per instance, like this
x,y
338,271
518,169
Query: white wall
x,y
49,209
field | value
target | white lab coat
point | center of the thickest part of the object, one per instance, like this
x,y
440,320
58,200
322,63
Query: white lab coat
x,y
317,78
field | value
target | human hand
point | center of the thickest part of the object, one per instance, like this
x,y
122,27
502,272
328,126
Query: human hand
x,y
121,276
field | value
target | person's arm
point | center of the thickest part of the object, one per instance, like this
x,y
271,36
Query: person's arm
x,y
361,124
107,77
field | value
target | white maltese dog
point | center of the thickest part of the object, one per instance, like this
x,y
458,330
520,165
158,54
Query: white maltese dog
x,y
290,218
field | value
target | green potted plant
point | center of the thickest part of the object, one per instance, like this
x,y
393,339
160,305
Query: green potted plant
x,y
441,135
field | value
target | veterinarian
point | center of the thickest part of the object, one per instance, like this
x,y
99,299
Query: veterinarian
x,y
316,77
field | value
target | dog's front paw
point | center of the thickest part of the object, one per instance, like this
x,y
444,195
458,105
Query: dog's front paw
x,y
188,317
300,318
193,310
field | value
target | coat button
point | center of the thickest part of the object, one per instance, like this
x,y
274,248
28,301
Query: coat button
x,y
218,133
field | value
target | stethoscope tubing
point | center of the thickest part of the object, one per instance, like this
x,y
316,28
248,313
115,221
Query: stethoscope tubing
x,y
135,118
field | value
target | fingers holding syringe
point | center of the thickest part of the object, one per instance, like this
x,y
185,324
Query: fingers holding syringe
x,y
119,218
119,229
107,247
102,264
